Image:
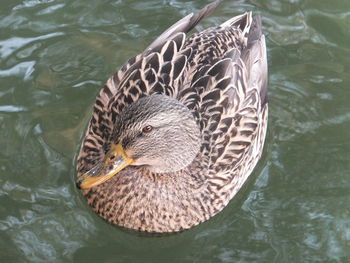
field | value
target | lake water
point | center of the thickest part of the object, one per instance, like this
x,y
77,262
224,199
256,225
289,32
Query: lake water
x,y
54,57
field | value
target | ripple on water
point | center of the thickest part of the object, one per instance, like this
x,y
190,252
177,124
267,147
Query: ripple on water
x,y
54,56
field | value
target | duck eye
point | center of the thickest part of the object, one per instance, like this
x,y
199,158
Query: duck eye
x,y
147,129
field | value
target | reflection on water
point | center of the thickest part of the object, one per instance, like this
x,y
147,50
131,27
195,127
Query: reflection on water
x,y
54,56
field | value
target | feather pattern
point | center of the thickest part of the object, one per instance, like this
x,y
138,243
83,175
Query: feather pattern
x,y
220,74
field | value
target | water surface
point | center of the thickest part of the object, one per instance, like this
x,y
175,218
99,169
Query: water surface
x,y
54,57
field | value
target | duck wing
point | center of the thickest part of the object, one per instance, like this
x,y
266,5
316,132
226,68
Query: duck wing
x,y
227,92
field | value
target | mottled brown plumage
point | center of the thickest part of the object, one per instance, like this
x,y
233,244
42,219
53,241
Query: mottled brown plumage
x,y
220,75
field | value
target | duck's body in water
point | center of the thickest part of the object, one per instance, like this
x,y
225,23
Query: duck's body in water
x,y
178,129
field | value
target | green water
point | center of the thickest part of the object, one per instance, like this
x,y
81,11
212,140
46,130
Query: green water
x,y
54,56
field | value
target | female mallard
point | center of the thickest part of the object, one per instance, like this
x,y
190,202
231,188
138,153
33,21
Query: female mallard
x,y
177,130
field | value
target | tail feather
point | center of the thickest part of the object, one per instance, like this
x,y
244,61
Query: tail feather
x,y
184,25
254,52
255,30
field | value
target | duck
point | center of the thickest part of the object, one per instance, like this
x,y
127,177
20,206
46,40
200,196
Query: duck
x,y
177,130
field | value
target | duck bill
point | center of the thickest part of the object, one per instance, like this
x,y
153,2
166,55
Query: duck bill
x,y
114,161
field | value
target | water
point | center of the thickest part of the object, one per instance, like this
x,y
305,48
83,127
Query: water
x,y
54,56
